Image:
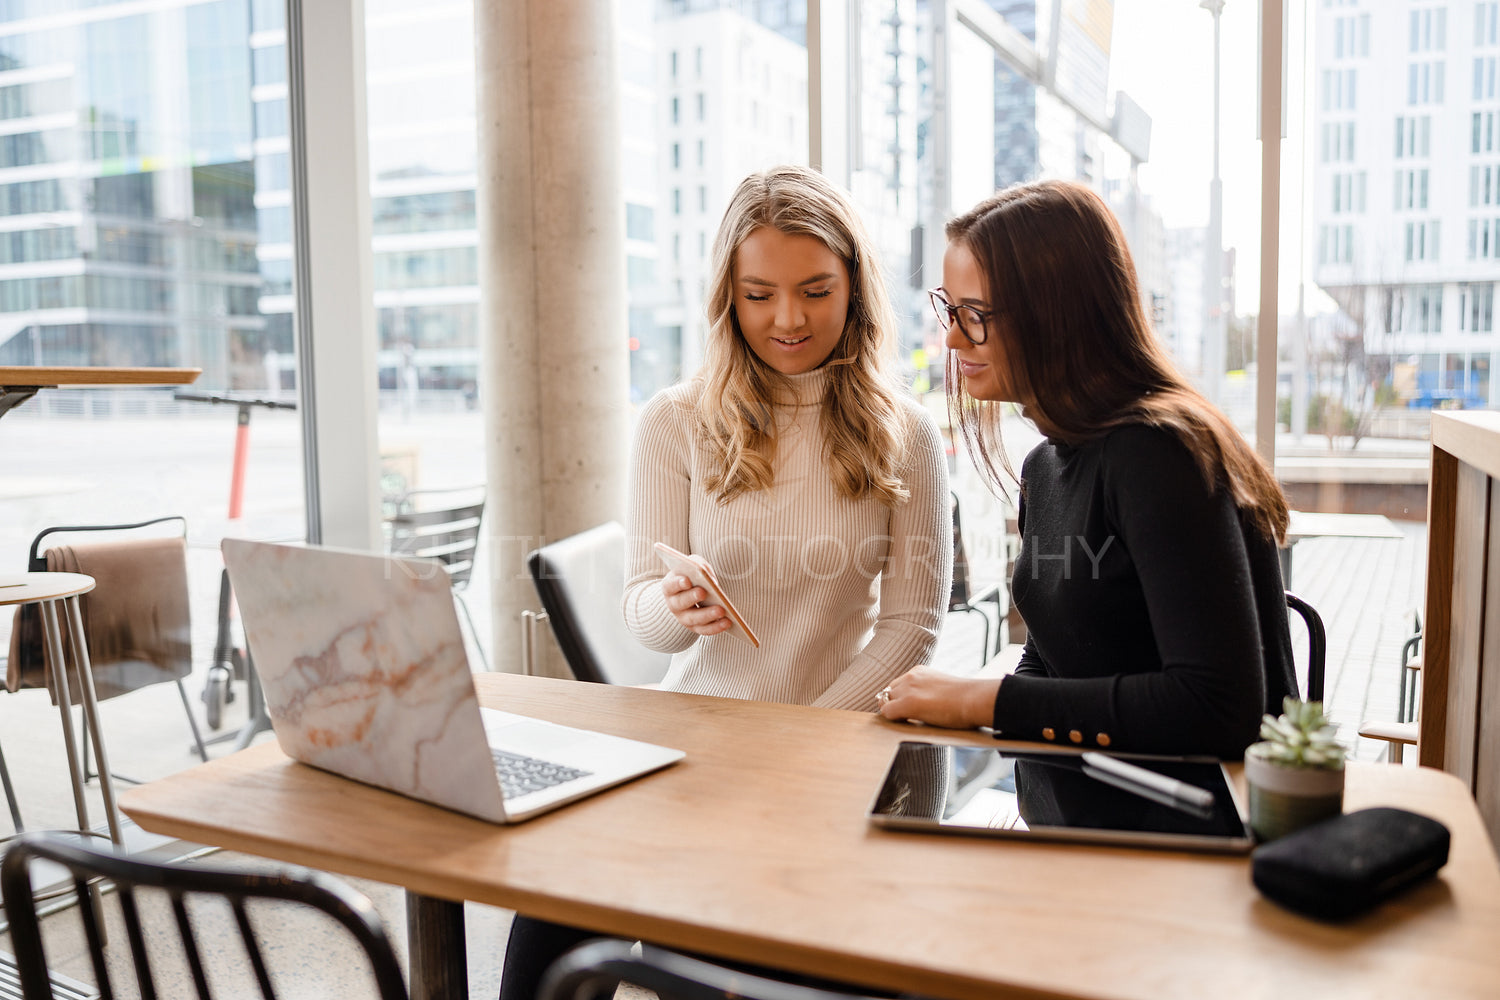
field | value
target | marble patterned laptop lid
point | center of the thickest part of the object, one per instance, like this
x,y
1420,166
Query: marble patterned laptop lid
x,y
365,671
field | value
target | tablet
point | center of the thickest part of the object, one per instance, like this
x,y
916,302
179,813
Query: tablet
x,y
701,576
1055,794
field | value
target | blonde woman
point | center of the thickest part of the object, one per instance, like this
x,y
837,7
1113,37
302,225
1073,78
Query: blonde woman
x,y
799,470
795,466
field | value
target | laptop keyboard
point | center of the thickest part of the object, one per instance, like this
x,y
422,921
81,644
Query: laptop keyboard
x,y
520,775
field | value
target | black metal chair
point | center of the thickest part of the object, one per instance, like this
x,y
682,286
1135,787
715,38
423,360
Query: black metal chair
x,y
964,596
1411,672
591,970
1317,645
447,531
1404,732
581,581
179,883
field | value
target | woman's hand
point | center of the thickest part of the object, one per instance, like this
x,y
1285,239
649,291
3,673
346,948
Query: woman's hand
x,y
941,699
684,601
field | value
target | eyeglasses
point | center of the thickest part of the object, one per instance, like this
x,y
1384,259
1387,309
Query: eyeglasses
x,y
972,323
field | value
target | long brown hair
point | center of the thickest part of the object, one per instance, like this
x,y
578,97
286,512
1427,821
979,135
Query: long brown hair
x,y
861,418
1077,347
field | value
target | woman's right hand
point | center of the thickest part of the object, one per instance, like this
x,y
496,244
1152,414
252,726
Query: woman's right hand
x,y
684,600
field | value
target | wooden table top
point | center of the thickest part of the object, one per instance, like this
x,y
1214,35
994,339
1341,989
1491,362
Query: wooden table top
x,y
28,376
1471,436
756,847
1314,524
23,588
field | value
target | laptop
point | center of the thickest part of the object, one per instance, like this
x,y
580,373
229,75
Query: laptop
x,y
366,675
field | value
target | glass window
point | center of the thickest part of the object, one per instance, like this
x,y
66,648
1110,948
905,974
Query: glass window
x,y
638,222
272,172
270,118
149,148
275,224
436,211
267,15
424,159
439,268
270,65
44,97
640,271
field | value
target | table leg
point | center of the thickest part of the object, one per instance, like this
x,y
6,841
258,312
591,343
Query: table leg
x,y
439,962
91,716
57,679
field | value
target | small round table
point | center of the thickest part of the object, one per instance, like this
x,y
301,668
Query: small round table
x,y
48,590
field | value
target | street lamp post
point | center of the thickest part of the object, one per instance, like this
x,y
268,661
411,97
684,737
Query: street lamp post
x,y
1213,250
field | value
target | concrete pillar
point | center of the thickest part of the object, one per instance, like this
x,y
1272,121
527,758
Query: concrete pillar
x,y
553,305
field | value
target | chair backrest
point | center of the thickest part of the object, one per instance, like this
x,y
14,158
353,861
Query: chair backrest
x,y
447,530
591,969
36,559
958,596
1317,645
581,581
137,620
179,884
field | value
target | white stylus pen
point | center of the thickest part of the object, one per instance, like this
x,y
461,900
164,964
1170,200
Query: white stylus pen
x,y
1149,782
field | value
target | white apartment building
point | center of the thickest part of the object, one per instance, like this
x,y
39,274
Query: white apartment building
x,y
732,99
1406,188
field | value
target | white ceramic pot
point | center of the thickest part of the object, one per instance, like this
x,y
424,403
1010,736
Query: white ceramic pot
x,y
1284,799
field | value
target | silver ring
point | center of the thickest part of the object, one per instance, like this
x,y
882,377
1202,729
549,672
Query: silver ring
x,y
885,695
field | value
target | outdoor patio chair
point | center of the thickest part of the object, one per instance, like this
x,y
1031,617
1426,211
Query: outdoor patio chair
x,y
581,582
965,597
197,896
1317,645
1411,672
1402,733
591,970
136,620
443,525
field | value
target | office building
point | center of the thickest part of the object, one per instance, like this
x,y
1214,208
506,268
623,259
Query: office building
x,y
127,227
1036,134
1406,192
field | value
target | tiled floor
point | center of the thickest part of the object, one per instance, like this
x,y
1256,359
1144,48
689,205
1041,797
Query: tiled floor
x,y
1365,589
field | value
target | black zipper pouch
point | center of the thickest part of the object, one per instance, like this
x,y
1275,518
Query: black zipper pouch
x,y
1344,866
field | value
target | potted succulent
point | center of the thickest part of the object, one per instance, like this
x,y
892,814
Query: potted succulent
x,y
1296,772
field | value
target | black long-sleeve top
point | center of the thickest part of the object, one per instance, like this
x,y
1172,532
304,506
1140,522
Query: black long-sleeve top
x,y
1156,615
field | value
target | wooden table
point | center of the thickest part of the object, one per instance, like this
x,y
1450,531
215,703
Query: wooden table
x,y
18,384
756,848
1314,524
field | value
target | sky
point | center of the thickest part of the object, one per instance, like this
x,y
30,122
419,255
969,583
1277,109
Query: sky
x,y
1162,56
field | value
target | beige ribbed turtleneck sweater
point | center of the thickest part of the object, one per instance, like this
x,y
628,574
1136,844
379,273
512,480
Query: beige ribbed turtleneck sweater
x,y
844,596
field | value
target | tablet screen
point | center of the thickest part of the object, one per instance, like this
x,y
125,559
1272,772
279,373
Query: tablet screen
x,y
1059,795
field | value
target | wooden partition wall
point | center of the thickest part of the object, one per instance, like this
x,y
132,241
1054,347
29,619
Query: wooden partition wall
x,y
1460,714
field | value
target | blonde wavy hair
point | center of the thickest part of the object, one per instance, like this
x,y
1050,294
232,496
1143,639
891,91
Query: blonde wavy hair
x,y
861,417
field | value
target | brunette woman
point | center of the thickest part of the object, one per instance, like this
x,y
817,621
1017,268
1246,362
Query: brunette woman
x,y
1148,574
